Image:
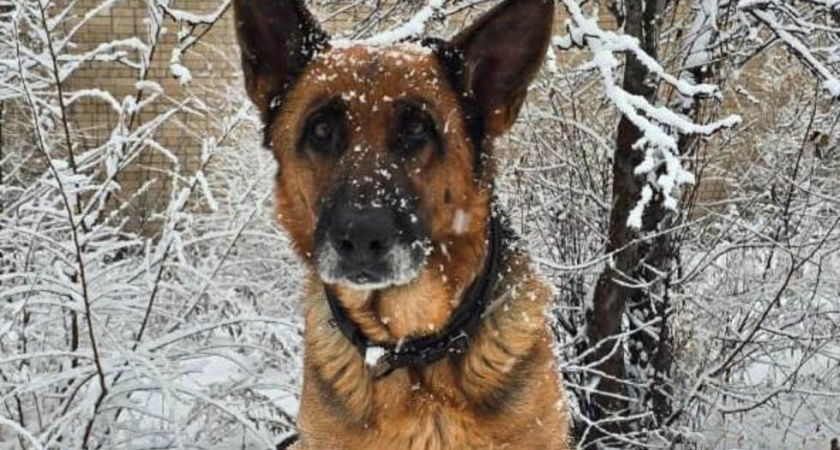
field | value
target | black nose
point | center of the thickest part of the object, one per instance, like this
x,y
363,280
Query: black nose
x,y
362,236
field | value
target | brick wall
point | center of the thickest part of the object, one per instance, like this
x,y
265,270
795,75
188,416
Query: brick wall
x,y
214,66
213,63
213,90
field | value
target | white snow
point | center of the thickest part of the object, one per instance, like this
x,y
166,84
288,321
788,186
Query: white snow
x,y
461,222
373,354
412,28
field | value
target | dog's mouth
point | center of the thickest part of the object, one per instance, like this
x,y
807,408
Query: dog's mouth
x,y
370,247
401,265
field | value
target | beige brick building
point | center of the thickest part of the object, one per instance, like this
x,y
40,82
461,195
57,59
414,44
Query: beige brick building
x,y
212,62
195,109
191,108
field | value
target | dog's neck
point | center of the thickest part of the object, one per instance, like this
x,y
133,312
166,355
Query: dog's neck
x,y
487,379
396,313
390,323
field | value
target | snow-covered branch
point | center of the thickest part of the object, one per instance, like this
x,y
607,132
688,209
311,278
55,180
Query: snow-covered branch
x,y
658,124
800,33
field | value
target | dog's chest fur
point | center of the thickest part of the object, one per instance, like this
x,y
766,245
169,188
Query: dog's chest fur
x,y
503,393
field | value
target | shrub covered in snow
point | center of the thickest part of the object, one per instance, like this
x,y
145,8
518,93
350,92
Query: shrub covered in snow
x,y
682,171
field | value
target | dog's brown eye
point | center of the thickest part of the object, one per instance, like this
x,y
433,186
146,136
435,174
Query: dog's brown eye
x,y
416,129
325,131
322,130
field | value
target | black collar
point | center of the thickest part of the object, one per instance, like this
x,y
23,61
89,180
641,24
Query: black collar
x,y
425,350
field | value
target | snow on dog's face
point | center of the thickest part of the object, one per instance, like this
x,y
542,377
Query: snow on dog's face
x,y
373,143
384,182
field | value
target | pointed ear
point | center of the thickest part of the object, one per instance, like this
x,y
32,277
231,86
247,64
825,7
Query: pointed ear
x,y
502,53
277,39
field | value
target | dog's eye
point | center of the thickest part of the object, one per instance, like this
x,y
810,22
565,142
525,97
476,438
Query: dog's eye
x,y
416,128
322,131
325,131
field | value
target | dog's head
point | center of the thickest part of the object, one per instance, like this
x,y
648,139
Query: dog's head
x,y
383,177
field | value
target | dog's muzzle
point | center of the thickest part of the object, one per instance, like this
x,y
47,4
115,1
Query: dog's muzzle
x,y
369,248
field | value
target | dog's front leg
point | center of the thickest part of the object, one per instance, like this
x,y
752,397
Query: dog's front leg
x,y
509,374
509,341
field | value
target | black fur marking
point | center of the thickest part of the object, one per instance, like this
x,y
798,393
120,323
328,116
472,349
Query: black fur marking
x,y
500,399
329,397
498,342
339,374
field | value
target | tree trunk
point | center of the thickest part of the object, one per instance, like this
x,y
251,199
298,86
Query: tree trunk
x,y
616,299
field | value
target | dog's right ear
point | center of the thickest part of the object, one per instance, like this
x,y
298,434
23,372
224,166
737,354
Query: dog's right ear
x,y
277,38
502,53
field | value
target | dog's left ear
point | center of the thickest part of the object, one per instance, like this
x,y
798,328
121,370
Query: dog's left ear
x,y
277,38
502,53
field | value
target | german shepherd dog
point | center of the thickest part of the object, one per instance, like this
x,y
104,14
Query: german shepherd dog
x,y
425,325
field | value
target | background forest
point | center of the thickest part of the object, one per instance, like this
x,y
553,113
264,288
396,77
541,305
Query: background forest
x,y
675,173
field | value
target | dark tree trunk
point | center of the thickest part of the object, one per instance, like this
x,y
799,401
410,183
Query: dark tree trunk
x,y
641,357
2,153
